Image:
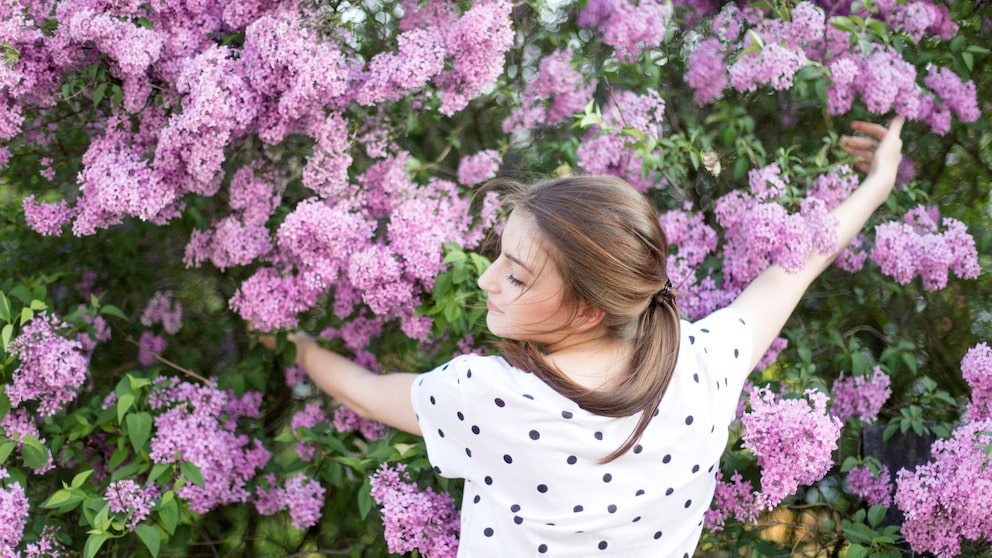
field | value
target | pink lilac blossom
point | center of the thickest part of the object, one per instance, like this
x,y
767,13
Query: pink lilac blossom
x,y
301,496
310,416
735,499
95,332
707,73
566,89
904,251
477,43
326,171
230,243
149,345
295,374
728,23
47,546
18,424
852,259
254,198
959,96
478,167
976,368
346,420
874,489
778,345
424,521
767,183
630,29
689,234
13,514
835,186
792,439
47,218
197,424
128,498
419,57
163,309
51,367
860,396
946,500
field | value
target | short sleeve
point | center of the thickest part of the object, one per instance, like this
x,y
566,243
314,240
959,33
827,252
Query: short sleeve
x,y
439,403
722,343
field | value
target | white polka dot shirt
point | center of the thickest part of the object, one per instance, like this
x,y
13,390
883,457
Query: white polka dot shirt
x,y
530,457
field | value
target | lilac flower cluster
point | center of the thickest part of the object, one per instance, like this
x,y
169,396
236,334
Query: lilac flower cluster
x,y
557,93
346,420
914,248
13,515
45,218
17,424
310,416
630,29
197,424
692,241
424,521
149,345
47,546
707,73
301,496
875,489
128,498
860,396
162,309
947,500
735,499
51,367
792,440
976,368
478,167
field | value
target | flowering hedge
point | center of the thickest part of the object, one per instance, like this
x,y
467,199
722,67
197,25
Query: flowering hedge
x,y
172,170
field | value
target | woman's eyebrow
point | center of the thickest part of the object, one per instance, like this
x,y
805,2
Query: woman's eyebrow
x,y
517,261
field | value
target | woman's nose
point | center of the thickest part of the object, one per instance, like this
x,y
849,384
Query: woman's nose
x,y
487,280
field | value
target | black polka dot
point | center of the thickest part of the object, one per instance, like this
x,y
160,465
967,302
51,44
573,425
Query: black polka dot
x,y
695,469
598,435
469,373
636,519
468,452
515,508
736,353
577,509
607,477
461,416
692,339
655,412
542,488
440,432
638,448
499,402
477,499
704,330
529,396
534,434
488,532
571,460
437,469
667,458
695,378
475,429
433,401
639,492
612,508
713,429
489,480
602,545
710,469
657,535
685,555
542,548
688,503
566,414
517,519
445,367
669,492
725,382
507,458
688,420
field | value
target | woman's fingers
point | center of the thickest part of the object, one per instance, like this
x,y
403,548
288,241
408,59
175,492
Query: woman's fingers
x,y
864,147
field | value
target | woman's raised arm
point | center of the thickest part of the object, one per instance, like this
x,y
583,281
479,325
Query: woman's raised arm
x,y
770,298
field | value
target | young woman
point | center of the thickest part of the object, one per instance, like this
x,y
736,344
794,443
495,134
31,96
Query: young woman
x,y
600,428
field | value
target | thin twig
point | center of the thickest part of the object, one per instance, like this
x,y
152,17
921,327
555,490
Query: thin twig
x,y
169,363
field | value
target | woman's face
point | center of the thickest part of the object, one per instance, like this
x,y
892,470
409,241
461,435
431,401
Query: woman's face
x,y
524,288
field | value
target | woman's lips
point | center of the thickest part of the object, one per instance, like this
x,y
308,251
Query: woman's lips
x,y
491,306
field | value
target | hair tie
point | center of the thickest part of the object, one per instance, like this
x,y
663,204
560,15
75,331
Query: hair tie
x,y
665,295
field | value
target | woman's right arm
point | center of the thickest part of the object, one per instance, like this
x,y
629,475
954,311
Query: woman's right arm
x,y
381,397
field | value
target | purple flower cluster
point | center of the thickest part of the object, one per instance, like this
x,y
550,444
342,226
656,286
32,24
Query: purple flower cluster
x,y
197,424
45,218
128,498
947,500
731,499
424,521
976,368
149,345
557,93
17,424
301,496
478,167
310,416
51,367
860,396
13,515
162,309
914,248
630,29
792,439
346,420
707,73
874,488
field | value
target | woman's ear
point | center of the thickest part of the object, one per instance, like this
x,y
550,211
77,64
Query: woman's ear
x,y
587,318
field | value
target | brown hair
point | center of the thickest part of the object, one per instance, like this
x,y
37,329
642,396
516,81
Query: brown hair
x,y
604,239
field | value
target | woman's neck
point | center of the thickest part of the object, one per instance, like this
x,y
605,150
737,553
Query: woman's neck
x,y
594,361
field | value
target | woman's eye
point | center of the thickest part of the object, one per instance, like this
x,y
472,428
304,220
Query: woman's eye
x,y
514,281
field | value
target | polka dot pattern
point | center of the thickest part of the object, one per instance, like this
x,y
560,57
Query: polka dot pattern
x,y
531,458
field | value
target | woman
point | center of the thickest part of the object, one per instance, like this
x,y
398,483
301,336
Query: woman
x,y
600,428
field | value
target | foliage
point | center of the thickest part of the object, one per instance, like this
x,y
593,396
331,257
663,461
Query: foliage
x,y
170,174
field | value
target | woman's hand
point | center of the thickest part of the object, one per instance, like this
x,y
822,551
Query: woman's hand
x,y
880,151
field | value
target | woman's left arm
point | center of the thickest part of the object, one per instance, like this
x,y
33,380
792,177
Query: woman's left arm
x,y
770,298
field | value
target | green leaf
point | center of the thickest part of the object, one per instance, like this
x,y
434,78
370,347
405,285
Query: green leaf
x,y
139,428
157,471
168,512
57,499
4,308
856,551
99,92
124,402
6,447
80,478
38,305
26,315
192,472
365,501
6,333
34,454
111,310
150,536
93,544
875,515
